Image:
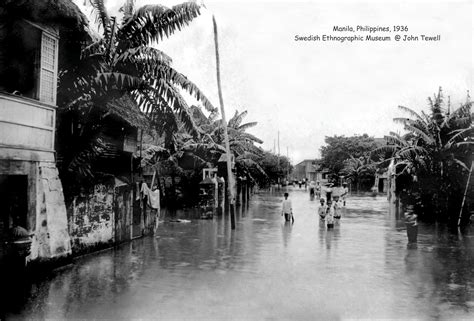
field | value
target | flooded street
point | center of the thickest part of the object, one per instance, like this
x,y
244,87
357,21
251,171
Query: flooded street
x,y
267,269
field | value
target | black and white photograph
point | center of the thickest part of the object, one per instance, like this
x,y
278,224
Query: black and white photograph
x,y
236,160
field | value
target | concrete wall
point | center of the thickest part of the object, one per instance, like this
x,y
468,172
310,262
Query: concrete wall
x,y
91,218
46,213
51,238
107,214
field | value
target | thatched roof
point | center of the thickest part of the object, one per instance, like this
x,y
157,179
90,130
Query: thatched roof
x,y
61,12
127,109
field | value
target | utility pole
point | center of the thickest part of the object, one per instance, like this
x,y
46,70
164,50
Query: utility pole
x,y
230,181
278,143
278,158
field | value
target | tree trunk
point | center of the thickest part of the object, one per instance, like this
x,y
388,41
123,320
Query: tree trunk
x,y
226,136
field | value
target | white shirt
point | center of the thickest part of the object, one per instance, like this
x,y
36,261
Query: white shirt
x,y
330,216
286,207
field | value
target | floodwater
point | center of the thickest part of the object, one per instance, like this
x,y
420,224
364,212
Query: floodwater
x,y
270,270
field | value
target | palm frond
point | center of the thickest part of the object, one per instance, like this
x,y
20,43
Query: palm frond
x,y
235,121
247,125
118,81
460,135
101,12
464,144
248,162
395,139
460,163
144,58
81,163
152,23
425,136
411,112
412,152
96,48
170,75
231,122
128,9
385,149
457,115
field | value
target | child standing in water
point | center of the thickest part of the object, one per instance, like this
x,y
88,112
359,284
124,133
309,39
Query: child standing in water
x,y
337,208
322,209
287,210
330,215
345,192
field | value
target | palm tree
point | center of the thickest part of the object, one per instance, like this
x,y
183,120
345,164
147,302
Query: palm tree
x,y
121,61
435,153
358,169
242,144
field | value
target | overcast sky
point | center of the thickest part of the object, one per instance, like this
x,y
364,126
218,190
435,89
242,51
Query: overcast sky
x,y
309,90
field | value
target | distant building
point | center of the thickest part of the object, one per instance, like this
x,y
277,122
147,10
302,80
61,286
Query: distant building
x,y
310,169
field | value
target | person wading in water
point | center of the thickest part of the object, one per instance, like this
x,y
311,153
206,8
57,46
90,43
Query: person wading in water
x,y
287,210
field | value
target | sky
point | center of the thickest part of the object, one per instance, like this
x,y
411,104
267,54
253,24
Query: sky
x,y
304,91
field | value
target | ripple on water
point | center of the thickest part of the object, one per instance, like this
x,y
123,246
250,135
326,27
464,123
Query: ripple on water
x,y
266,269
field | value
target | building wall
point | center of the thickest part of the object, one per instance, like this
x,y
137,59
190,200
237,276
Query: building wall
x,y
51,234
26,123
305,169
106,215
91,219
46,212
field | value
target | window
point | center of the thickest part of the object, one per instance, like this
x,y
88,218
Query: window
x,y
29,53
48,69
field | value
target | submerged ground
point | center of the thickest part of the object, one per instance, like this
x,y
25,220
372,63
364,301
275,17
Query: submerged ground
x,y
268,269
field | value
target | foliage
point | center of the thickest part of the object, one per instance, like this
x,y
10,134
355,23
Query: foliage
x,y
242,143
121,61
275,168
338,149
359,171
433,157
206,149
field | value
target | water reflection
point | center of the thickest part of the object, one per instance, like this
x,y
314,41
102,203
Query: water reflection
x,y
269,269
286,232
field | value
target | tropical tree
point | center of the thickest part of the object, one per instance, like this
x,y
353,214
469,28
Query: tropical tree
x,y
275,166
338,149
122,61
205,150
433,157
242,143
359,170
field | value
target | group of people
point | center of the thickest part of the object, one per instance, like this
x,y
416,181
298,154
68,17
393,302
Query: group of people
x,y
330,212
329,209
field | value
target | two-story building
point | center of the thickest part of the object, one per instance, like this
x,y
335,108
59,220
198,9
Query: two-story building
x,y
31,193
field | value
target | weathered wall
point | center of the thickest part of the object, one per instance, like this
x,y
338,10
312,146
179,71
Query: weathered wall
x,y
46,212
123,213
91,219
51,220
107,214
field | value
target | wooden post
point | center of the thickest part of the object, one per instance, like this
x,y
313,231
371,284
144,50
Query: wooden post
x,y
153,178
226,135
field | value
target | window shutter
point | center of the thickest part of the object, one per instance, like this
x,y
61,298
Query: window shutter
x,y
49,66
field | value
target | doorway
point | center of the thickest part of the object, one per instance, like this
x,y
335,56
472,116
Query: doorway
x,y
13,202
